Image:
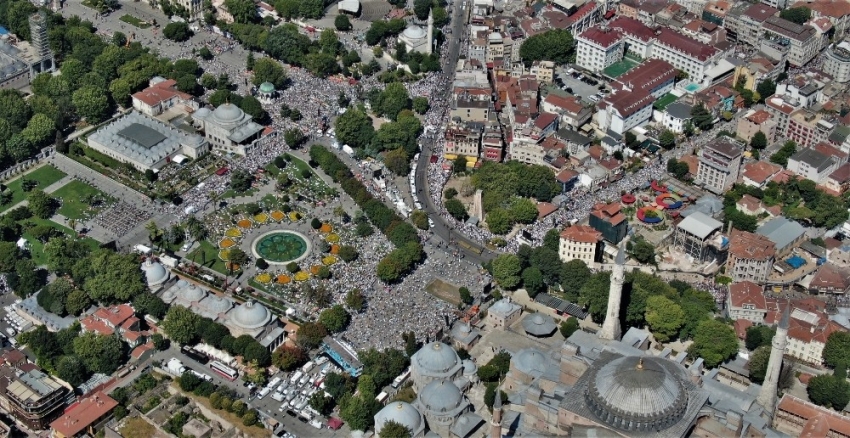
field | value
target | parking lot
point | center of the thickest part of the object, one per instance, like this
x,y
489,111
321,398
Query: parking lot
x,y
577,85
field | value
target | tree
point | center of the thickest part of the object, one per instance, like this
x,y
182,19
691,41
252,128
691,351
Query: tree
x,y
354,128
506,270
664,317
91,103
99,353
392,429
420,104
758,363
342,23
310,334
455,208
829,391
837,349
41,204
181,324
569,327
355,300
714,341
667,139
335,319
702,118
553,45
269,70
178,31
797,15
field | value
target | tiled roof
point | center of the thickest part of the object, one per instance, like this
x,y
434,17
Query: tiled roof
x,y
745,245
581,233
747,292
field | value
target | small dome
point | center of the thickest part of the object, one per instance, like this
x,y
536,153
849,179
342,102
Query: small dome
x,y
436,357
401,412
414,33
440,396
192,293
266,87
251,315
642,389
155,273
228,113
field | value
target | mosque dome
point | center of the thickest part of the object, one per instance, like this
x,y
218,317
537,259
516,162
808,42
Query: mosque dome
x,y
228,113
436,358
530,361
440,396
155,273
251,315
413,33
401,412
192,293
637,393
266,87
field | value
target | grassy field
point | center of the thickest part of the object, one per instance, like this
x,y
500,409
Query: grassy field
x,y
207,254
665,100
43,176
37,248
141,24
73,195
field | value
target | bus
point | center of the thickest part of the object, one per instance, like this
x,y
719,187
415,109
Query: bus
x,y
224,370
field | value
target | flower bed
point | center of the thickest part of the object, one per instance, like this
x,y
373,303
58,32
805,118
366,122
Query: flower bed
x,y
277,215
264,278
328,260
301,276
326,228
333,238
224,254
244,223
233,232
283,279
334,249
294,216
261,218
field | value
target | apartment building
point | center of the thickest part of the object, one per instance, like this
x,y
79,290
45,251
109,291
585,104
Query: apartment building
x,y
812,165
750,257
801,41
808,128
746,301
719,164
624,110
580,242
655,76
756,121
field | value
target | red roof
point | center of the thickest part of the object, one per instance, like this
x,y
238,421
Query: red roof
x,y
747,292
604,38
685,44
83,414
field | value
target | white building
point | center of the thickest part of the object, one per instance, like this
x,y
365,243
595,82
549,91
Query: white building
x,y
229,129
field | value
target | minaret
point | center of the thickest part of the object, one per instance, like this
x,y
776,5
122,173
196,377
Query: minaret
x,y
767,395
611,326
430,32
496,420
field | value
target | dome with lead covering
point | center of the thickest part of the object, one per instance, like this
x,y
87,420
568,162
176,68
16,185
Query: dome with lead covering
x,y
251,315
637,393
402,413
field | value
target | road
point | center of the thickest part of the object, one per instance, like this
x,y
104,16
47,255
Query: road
x,y
441,228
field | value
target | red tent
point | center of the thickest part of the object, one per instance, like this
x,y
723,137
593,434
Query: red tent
x,y
334,423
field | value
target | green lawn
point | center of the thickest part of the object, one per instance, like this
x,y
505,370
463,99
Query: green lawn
x,y
620,68
74,195
207,255
37,248
141,24
665,100
44,176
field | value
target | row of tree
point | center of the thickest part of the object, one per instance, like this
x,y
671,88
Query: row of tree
x,y
402,234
